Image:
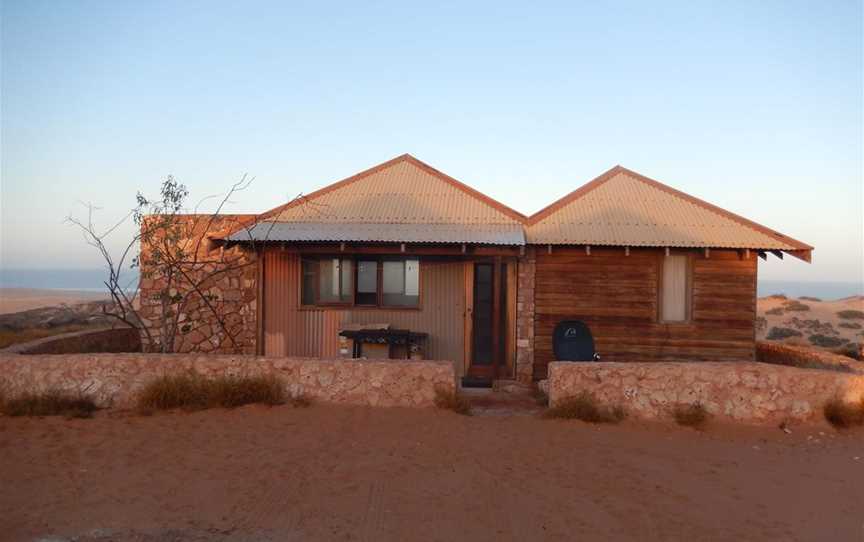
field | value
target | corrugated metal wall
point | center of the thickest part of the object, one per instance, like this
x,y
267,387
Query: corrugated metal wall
x,y
292,331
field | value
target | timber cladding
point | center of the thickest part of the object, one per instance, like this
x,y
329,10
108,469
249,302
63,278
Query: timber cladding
x,y
617,296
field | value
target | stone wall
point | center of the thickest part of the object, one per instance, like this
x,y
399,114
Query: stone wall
x,y
744,392
123,339
525,316
802,356
210,299
115,379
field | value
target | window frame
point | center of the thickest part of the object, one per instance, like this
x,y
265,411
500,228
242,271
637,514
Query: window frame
x,y
379,284
688,289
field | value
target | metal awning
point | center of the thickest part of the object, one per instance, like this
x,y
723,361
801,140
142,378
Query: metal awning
x,y
494,234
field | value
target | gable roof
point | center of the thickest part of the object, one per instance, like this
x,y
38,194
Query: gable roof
x,y
401,200
406,200
624,208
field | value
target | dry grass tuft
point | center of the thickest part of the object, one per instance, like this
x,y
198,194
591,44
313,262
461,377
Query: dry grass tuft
x,y
692,415
193,391
791,306
842,414
49,403
585,407
851,314
449,400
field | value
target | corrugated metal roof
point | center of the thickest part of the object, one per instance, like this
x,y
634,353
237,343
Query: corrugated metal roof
x,y
404,191
624,208
496,234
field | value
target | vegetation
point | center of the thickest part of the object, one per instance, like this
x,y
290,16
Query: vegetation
x,y
776,311
586,408
850,350
851,314
826,341
51,402
193,391
808,298
692,415
795,306
541,397
849,325
449,400
780,333
844,415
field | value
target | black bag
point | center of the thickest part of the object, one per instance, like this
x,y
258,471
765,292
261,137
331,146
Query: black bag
x,y
572,341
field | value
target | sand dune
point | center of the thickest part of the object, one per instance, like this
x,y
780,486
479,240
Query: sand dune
x,y
811,321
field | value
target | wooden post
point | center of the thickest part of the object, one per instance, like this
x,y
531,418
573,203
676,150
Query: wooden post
x,y
496,317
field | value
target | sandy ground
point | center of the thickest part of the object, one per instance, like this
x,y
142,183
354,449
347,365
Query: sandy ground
x,y
823,313
22,299
344,473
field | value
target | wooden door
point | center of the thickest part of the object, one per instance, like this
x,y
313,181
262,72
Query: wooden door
x,y
486,322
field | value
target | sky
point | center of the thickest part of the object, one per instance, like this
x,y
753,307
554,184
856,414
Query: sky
x,y
753,106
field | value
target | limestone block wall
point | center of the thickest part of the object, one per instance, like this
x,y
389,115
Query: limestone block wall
x,y
115,379
216,289
745,392
525,316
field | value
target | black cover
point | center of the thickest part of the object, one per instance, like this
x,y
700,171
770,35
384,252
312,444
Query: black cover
x,y
572,341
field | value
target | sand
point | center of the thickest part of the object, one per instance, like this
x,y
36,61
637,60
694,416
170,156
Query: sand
x,y
350,473
821,313
23,299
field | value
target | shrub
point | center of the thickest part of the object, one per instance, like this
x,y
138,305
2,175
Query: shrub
x,y
808,298
826,342
761,323
693,415
49,403
584,407
851,315
541,397
776,311
849,325
780,333
193,391
795,306
843,415
449,400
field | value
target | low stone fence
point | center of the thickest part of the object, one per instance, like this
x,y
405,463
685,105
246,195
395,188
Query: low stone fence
x,y
801,356
744,392
115,379
123,339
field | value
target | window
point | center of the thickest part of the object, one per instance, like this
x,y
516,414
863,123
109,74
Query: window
x,y
401,283
675,289
367,282
364,282
335,280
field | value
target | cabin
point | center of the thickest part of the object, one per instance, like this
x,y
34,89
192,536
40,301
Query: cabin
x,y
404,261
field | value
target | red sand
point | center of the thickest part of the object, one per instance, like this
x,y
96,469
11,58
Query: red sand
x,y
340,473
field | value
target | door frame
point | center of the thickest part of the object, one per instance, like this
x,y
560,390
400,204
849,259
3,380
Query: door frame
x,y
503,319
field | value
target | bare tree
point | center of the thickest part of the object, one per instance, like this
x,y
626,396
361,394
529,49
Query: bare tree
x,y
189,280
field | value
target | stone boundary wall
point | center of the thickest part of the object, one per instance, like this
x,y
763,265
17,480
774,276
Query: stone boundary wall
x,y
801,356
124,339
115,379
739,391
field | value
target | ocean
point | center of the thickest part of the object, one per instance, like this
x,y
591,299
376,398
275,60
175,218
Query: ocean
x,y
91,280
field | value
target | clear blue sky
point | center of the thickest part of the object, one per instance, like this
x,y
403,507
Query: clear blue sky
x,y
754,106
